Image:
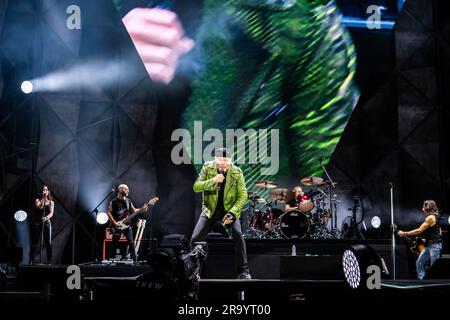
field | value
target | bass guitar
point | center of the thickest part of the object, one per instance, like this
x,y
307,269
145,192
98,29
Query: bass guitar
x,y
125,218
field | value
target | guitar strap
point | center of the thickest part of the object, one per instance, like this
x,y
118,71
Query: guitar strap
x,y
128,204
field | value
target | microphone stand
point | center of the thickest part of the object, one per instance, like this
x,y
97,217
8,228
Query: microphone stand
x,y
95,211
330,194
42,229
391,187
353,226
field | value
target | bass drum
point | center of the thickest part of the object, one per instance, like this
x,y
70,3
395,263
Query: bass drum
x,y
294,224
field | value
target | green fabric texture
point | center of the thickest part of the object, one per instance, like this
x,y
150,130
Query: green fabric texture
x,y
287,67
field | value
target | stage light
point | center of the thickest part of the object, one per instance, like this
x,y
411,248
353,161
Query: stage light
x,y
355,263
352,271
102,218
27,87
375,222
22,229
20,216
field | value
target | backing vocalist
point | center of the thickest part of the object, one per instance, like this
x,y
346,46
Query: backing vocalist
x,y
42,227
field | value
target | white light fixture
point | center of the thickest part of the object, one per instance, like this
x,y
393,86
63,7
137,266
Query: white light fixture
x,y
20,216
102,218
27,87
375,222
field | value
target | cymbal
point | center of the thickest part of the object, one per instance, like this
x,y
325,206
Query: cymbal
x,y
282,194
259,200
254,197
311,181
266,184
327,183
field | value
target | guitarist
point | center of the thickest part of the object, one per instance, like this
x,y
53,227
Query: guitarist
x,y
119,208
430,231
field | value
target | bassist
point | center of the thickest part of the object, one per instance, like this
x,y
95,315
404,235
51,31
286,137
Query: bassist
x,y
119,208
431,232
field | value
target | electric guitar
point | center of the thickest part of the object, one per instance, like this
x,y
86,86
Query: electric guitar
x,y
124,222
416,245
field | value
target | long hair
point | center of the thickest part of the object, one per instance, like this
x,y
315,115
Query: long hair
x,y
431,207
49,197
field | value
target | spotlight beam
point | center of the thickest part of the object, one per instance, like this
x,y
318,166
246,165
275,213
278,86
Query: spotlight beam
x,y
80,76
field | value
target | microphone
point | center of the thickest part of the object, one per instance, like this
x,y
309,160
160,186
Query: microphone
x,y
222,172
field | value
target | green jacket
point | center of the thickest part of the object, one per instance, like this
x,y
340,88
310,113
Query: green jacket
x,y
235,193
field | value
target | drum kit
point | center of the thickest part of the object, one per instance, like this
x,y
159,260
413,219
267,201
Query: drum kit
x,y
303,214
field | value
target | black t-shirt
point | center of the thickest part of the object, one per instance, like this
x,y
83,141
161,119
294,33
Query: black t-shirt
x,y
120,208
220,205
293,203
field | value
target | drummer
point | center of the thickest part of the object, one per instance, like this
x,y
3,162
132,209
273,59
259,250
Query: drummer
x,y
295,201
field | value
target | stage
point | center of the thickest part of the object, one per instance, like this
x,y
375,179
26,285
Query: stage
x,y
314,275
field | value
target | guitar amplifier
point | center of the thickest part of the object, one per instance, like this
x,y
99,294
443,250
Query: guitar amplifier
x,y
122,249
122,246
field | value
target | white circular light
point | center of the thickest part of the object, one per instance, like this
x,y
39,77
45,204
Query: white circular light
x,y
376,222
448,220
102,218
20,216
26,87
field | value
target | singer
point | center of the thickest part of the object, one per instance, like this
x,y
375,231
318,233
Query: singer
x,y
42,227
224,196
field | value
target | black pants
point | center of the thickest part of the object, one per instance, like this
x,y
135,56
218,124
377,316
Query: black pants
x,y
204,226
42,230
128,233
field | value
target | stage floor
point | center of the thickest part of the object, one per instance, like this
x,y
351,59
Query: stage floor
x,y
313,276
